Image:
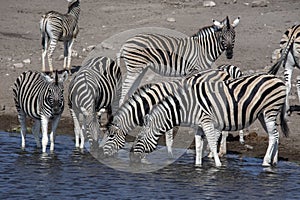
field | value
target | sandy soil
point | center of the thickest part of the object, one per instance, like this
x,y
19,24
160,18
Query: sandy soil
x,y
257,35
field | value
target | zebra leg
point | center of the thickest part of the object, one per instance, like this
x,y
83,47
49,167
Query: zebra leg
x,y
69,54
169,142
199,145
77,129
288,76
22,120
53,131
51,49
211,135
131,82
36,132
44,53
298,87
44,122
241,136
223,149
271,156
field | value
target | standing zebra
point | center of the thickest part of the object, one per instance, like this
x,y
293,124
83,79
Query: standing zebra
x,y
174,57
55,27
41,98
290,57
218,106
133,110
96,86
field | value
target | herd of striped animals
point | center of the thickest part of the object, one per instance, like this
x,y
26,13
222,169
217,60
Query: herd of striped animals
x,y
209,100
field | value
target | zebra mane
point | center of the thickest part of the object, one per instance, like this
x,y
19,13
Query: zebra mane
x,y
201,30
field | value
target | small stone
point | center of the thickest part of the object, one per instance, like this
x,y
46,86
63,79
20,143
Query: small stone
x,y
259,3
107,46
18,65
27,61
74,54
90,48
171,19
60,58
209,4
248,146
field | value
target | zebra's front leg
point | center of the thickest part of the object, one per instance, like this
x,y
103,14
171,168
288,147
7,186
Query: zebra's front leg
x,y
36,132
298,87
223,148
22,120
53,132
169,142
51,49
211,135
44,122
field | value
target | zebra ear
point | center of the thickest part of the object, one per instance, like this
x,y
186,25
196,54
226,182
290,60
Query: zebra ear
x,y
235,22
47,77
218,24
63,77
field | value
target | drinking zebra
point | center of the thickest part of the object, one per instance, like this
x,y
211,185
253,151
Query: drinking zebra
x,y
55,27
290,58
218,106
131,113
175,57
96,86
41,98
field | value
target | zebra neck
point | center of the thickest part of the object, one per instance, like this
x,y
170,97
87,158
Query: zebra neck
x,y
74,9
208,45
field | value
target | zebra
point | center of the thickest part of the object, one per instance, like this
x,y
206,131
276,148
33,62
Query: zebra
x,y
41,98
132,111
175,57
230,105
290,58
96,86
55,27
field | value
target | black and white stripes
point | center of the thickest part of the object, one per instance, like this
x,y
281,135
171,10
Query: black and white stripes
x,y
55,27
169,56
39,97
96,86
219,106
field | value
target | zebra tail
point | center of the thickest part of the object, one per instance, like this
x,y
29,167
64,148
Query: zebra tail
x,y
274,69
283,123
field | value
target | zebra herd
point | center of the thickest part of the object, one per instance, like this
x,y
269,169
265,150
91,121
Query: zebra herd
x,y
209,100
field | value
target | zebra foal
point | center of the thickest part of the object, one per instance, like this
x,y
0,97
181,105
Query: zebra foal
x,y
290,58
96,86
131,113
39,97
175,57
55,27
218,106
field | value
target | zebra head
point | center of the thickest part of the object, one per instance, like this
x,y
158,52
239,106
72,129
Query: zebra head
x,y
54,96
226,34
114,141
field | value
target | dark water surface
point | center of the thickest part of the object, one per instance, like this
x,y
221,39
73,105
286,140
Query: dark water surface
x,y
70,174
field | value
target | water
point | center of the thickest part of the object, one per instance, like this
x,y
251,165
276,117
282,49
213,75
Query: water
x,y
70,174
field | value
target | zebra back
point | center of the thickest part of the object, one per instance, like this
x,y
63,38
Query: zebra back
x,y
36,94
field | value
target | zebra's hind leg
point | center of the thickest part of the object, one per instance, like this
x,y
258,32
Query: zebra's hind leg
x,y
36,132
52,46
68,54
44,53
77,129
288,78
22,120
223,148
298,87
271,156
212,135
169,142
199,146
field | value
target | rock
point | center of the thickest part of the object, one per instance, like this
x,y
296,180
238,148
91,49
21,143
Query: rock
x,y
209,4
18,65
60,58
107,46
259,3
90,48
275,55
27,61
171,19
74,54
